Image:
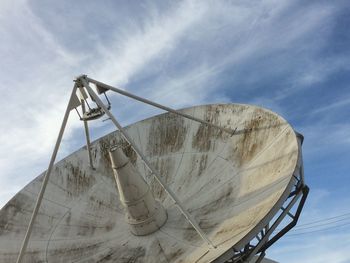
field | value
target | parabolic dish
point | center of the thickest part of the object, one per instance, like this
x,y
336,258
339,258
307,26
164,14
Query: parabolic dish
x,y
230,184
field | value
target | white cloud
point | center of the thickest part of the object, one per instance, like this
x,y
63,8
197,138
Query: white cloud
x,y
34,73
47,66
332,106
203,38
43,69
322,248
312,244
324,138
132,50
179,56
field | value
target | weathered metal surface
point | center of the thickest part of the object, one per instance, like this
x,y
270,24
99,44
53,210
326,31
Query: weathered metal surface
x,y
228,183
143,213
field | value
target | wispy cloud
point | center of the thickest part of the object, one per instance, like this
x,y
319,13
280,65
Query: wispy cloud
x,y
331,106
269,53
312,249
133,50
193,41
43,69
317,244
34,74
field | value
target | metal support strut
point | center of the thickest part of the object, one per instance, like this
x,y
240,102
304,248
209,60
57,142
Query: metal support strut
x,y
127,94
87,135
46,178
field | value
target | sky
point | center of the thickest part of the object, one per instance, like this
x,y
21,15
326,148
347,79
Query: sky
x,y
288,56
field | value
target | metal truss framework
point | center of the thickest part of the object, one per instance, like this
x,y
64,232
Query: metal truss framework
x,y
270,233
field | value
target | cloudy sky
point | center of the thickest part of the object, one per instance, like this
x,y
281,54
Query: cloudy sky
x,y
289,56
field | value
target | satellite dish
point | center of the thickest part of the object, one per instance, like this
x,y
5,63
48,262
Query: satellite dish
x,y
234,186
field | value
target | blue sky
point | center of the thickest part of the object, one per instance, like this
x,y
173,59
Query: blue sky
x,y
289,56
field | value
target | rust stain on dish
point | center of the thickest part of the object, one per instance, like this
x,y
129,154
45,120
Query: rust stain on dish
x,y
168,133
204,139
255,130
78,181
